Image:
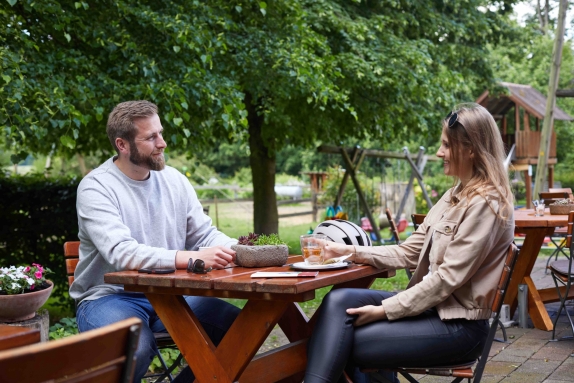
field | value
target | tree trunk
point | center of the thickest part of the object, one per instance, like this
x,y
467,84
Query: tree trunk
x,y
539,14
263,161
548,122
546,16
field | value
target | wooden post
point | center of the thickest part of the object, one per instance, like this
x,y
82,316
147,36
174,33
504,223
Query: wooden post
x,y
528,184
551,176
351,170
546,134
216,213
314,205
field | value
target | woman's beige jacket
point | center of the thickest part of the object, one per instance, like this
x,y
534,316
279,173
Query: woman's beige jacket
x,y
466,259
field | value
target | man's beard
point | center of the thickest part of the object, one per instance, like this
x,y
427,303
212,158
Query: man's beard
x,y
137,158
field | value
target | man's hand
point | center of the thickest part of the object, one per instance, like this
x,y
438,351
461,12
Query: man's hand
x,y
216,257
367,314
334,250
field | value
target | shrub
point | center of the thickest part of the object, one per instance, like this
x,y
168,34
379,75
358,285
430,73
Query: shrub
x,y
38,216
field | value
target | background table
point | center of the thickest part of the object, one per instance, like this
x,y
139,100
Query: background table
x,y
269,301
535,228
16,336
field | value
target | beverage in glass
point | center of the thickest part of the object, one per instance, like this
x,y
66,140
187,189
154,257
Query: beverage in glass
x,y
312,248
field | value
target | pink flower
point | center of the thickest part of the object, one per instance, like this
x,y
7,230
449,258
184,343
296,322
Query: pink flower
x,y
32,287
38,274
27,269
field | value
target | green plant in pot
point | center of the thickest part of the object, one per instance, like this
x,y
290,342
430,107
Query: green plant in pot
x,y
260,250
23,290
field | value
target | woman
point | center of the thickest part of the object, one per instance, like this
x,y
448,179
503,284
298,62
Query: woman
x,y
459,252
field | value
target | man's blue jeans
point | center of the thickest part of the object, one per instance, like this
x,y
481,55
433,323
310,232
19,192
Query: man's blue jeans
x,y
215,315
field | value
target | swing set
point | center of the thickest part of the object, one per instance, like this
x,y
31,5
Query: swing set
x,y
354,157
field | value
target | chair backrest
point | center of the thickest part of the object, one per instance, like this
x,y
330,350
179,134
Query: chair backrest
x,y
393,227
102,355
551,197
72,257
417,219
558,190
505,277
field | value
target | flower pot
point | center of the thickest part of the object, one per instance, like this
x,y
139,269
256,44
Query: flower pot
x,y
20,307
261,256
561,209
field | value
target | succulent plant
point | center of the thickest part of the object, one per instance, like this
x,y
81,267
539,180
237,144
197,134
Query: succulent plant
x,y
248,240
253,239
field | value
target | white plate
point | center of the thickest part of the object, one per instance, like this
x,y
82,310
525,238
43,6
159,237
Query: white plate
x,y
332,266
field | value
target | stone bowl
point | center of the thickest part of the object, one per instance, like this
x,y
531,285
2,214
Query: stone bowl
x,y
560,209
20,307
261,256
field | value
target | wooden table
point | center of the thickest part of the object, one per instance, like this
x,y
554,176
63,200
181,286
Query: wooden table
x,y
16,336
269,301
535,228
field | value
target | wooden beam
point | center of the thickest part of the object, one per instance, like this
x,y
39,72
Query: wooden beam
x,y
565,93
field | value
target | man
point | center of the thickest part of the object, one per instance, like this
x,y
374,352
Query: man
x,y
135,212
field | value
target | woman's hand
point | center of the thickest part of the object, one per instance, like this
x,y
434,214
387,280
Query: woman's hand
x,y
334,249
367,314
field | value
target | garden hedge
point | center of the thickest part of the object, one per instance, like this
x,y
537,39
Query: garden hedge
x,y
38,215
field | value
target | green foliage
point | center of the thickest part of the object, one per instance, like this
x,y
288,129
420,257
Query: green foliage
x,y
39,215
350,202
64,328
271,239
169,356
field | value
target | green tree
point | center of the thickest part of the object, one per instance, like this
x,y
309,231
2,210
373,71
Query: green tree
x,y
285,73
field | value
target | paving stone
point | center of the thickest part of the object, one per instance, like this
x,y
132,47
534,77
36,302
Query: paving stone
x,y
555,381
499,368
539,366
509,354
523,377
552,353
564,372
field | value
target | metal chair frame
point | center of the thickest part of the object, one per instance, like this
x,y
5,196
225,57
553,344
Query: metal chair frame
x,y
563,277
557,238
464,371
395,236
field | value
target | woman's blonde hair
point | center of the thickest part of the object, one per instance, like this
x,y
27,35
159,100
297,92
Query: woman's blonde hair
x,y
475,129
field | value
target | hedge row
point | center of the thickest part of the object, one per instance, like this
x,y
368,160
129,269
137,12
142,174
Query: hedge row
x,y
38,215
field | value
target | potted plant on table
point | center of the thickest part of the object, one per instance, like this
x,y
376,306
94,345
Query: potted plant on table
x,y
23,290
562,207
260,250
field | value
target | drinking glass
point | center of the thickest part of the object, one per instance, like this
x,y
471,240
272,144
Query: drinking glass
x,y
312,248
539,210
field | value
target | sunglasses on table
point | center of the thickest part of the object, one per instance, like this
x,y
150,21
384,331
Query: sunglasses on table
x,y
197,266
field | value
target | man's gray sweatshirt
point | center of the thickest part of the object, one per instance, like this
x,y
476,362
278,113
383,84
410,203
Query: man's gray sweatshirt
x,y
127,225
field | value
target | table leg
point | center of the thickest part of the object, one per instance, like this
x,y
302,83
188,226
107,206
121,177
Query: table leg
x,y
536,310
526,259
191,339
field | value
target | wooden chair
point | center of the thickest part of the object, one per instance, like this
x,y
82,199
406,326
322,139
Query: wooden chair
x,y
162,339
417,219
563,276
104,355
464,371
559,234
395,236
561,190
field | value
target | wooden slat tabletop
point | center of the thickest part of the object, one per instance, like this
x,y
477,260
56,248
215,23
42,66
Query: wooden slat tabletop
x,y
526,219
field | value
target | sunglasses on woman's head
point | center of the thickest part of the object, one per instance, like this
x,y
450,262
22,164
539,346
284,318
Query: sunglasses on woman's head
x,y
197,267
452,119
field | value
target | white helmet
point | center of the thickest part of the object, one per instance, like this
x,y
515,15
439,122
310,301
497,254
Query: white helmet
x,y
341,231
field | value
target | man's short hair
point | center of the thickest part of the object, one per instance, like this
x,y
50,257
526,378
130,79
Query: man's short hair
x,y
121,119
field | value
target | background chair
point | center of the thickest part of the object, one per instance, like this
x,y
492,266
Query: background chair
x,y
104,355
559,234
563,274
395,236
464,371
417,219
163,339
